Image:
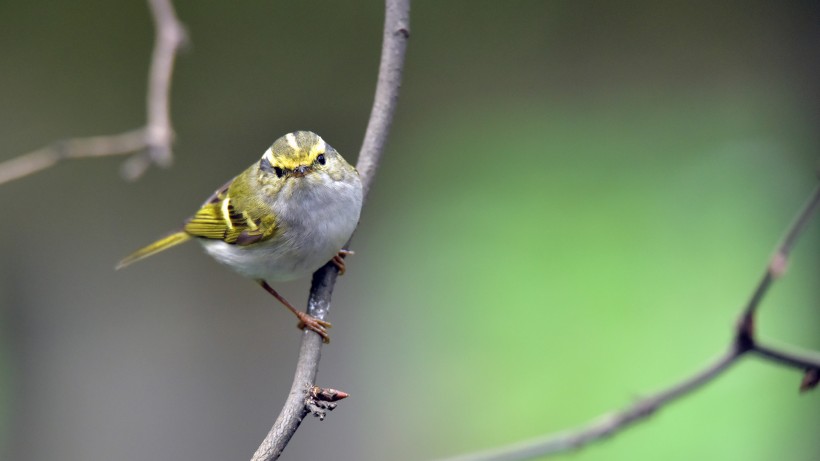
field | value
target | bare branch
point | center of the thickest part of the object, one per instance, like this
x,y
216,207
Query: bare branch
x,y
779,261
154,139
743,342
803,360
94,146
606,425
171,36
394,44
810,380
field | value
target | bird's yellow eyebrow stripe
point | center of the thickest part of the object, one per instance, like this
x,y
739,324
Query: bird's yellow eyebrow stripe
x,y
301,155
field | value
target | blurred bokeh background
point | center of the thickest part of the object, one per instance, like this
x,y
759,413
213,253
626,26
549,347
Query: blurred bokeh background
x,y
576,199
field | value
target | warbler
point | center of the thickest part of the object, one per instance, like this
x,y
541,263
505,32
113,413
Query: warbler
x,y
280,219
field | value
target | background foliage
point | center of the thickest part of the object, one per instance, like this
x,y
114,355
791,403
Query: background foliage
x,y
576,200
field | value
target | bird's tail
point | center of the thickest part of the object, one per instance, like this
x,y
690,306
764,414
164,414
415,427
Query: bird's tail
x,y
154,248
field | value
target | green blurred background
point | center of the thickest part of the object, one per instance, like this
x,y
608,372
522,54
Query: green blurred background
x,y
576,199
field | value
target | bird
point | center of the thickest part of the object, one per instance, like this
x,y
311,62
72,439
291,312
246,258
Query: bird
x,y
281,219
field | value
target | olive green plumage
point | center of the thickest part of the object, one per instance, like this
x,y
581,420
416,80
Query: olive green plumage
x,y
280,219
300,188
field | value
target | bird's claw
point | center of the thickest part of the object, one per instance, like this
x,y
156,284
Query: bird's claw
x,y
317,325
338,260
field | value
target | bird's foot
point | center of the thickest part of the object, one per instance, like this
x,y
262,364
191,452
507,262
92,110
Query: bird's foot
x,y
317,325
339,261
305,320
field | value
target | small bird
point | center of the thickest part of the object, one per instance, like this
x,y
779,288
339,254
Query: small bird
x,y
280,219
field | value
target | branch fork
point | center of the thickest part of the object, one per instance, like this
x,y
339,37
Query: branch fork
x,y
743,343
151,143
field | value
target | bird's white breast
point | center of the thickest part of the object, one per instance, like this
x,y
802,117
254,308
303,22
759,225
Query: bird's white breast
x,y
316,219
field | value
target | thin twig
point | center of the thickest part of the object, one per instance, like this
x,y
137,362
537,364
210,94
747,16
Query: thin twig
x,y
606,425
171,36
154,139
94,146
394,44
777,265
743,343
803,360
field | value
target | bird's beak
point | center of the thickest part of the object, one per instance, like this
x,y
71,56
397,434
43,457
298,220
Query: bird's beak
x,y
301,170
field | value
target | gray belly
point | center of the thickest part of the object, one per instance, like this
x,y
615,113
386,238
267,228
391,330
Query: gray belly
x,y
310,236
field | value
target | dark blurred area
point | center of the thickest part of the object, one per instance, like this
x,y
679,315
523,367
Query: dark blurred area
x,y
576,199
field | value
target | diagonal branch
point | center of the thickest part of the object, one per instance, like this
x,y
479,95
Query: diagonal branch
x,y
779,261
803,360
743,342
152,141
606,425
394,44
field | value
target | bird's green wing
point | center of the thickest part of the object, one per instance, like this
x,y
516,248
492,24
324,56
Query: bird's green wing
x,y
226,216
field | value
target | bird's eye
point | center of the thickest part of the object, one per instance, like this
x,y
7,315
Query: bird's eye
x,y
278,171
321,159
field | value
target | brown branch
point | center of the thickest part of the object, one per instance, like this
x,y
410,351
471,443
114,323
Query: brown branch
x,y
605,425
394,44
803,360
152,141
744,342
779,262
